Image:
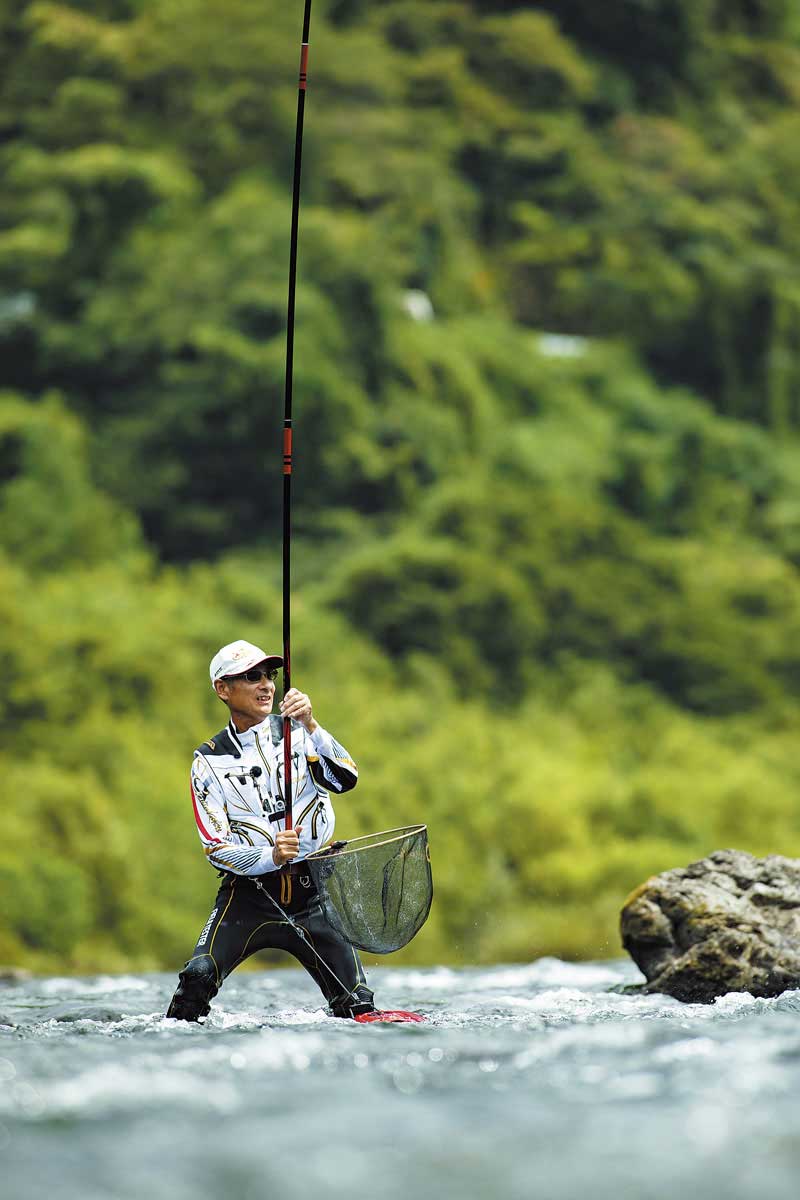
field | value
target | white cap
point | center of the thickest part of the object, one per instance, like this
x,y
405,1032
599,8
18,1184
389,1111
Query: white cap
x,y
238,657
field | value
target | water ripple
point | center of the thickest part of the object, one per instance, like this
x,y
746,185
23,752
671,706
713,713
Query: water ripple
x,y
539,1080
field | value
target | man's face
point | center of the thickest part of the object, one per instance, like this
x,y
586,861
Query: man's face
x,y
249,696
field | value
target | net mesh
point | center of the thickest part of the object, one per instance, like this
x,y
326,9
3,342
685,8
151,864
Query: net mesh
x,y
376,891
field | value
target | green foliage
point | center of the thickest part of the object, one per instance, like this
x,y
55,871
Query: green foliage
x,y
546,583
48,906
146,198
50,513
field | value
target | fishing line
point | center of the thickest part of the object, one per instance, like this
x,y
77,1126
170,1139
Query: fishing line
x,y
301,933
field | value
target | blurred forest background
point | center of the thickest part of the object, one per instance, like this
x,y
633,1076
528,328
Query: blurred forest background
x,y
547,399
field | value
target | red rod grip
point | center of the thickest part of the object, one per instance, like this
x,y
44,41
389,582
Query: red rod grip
x,y
287,771
303,66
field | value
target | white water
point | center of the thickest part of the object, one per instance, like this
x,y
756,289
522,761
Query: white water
x,y
527,1082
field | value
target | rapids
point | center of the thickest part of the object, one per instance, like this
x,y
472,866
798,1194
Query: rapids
x,y
527,1081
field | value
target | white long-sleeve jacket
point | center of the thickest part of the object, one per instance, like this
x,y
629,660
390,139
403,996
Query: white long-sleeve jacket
x,y
237,792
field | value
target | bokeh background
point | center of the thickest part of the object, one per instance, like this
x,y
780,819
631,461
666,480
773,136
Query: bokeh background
x,y
548,470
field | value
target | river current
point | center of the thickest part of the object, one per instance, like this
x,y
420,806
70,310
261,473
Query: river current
x,y
538,1081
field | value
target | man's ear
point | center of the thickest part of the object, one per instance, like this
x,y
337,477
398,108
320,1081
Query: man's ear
x,y
221,688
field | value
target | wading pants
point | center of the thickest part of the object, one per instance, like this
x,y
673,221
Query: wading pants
x,y
244,920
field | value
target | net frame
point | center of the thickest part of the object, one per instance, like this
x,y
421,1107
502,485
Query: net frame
x,y
366,841
329,855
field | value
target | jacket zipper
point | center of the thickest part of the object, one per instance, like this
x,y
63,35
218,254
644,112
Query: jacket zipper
x,y
261,753
295,772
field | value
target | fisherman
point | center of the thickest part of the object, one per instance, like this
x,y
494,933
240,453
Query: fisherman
x,y
238,798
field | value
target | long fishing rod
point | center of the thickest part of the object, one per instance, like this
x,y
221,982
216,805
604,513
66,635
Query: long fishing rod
x,y
287,416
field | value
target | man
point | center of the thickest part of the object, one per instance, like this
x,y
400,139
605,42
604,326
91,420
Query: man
x,y
238,798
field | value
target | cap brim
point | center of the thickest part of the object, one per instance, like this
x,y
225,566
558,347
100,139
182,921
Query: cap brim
x,y
272,660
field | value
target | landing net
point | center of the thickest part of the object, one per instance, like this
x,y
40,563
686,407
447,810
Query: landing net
x,y
376,891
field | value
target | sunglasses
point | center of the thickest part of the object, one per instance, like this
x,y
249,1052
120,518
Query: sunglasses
x,y
255,675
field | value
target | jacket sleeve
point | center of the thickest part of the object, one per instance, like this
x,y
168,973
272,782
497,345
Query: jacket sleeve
x,y
329,763
214,829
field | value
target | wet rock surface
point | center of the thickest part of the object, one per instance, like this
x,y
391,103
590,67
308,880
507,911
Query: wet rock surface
x,y
728,923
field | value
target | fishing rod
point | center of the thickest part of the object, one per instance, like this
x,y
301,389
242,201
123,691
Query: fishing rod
x,y
403,909
287,415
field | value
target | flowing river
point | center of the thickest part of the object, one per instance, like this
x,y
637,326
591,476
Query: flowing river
x,y
539,1081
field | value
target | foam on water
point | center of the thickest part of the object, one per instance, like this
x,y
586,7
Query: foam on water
x,y
539,1080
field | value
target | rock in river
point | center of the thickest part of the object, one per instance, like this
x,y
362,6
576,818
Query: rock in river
x,y
728,923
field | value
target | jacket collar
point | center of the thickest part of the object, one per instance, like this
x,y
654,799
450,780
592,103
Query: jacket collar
x,y
264,731
270,732
247,738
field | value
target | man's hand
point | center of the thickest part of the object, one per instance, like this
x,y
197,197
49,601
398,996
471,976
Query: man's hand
x,y
298,706
287,846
